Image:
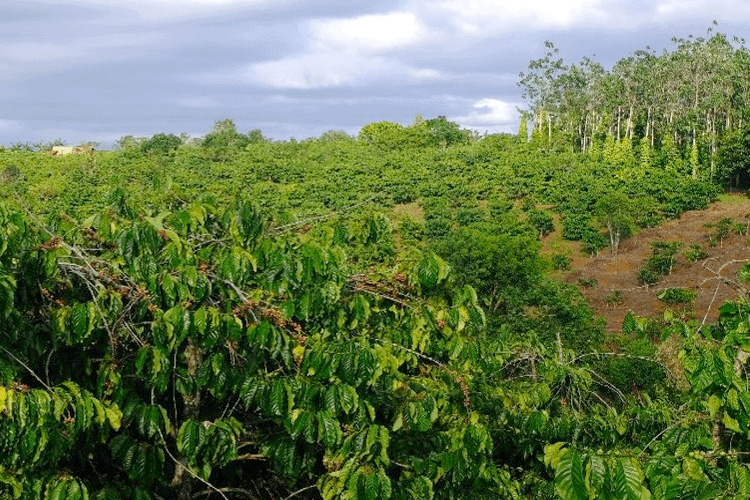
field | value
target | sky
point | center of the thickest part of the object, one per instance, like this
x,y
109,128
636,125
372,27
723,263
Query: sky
x,y
97,70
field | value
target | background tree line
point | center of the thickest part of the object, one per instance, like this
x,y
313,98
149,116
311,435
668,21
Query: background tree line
x,y
694,98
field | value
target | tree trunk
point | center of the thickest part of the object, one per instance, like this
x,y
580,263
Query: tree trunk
x,y
182,478
717,432
549,128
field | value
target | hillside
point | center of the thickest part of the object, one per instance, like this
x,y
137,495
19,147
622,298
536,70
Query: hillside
x,y
709,277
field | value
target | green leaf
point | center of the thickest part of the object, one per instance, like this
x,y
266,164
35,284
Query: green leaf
x,y
570,481
348,398
553,453
149,421
714,404
398,423
629,324
730,423
278,397
190,438
628,481
421,489
431,270
368,486
114,416
329,431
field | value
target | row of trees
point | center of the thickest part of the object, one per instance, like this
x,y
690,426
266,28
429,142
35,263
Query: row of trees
x,y
693,94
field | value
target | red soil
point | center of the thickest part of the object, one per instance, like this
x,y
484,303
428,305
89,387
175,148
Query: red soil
x,y
710,278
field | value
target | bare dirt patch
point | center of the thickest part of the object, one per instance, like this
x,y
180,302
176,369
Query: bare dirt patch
x,y
620,272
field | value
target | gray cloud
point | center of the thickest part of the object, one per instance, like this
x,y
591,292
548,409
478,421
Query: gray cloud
x,y
99,69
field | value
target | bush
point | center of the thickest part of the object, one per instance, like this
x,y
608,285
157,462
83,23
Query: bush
x,y
720,231
646,212
614,298
403,193
542,221
161,143
593,242
677,296
575,226
662,261
411,229
470,215
695,252
744,273
587,282
499,205
648,277
634,370
10,174
528,204
561,262
437,228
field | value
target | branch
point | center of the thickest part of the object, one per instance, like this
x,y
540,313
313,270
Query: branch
x,y
27,368
306,488
185,467
238,491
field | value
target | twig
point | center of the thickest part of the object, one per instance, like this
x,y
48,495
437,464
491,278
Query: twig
x,y
709,308
307,488
185,467
27,368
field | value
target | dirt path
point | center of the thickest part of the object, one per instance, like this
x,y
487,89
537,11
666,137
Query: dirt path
x,y
620,272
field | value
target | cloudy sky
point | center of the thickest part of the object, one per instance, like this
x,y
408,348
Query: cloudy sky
x,y
100,69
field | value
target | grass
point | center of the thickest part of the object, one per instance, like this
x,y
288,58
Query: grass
x,y
733,198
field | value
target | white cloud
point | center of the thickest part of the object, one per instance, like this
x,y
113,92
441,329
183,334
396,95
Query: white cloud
x,y
727,10
425,74
349,52
492,115
315,70
370,33
489,17
334,69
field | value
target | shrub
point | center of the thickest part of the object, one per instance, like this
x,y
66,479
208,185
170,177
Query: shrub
x,y
561,262
720,232
695,252
161,143
593,242
470,215
411,229
403,193
587,282
528,204
542,221
648,277
575,226
10,174
744,273
662,261
614,298
500,204
437,228
634,369
677,296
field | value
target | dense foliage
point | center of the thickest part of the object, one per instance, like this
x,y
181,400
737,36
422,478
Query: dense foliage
x,y
361,318
693,97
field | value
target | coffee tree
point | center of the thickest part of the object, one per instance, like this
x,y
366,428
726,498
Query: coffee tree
x,y
202,353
